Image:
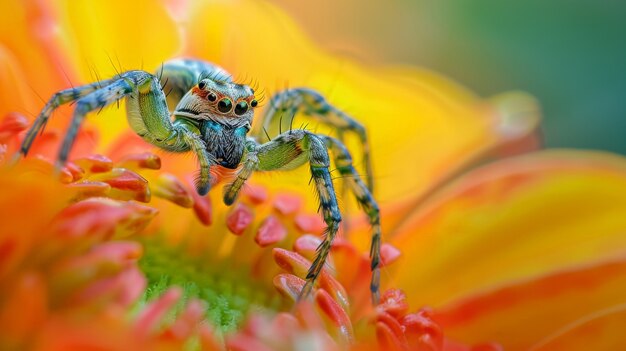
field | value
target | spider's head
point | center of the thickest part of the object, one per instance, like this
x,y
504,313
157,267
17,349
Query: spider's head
x,y
221,101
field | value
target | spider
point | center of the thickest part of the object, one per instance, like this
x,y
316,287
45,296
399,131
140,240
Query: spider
x,y
212,118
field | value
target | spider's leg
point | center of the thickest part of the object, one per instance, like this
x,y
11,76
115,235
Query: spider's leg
x,y
250,163
148,116
284,105
292,149
343,163
59,98
92,101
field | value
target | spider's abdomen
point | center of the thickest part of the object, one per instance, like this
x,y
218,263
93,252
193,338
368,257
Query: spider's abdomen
x,y
226,143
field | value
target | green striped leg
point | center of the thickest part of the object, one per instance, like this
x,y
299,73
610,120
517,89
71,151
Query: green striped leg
x,y
343,163
284,105
290,150
148,116
59,98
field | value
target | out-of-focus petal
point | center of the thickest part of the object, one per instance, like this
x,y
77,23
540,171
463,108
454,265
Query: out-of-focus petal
x,y
603,330
437,127
510,222
543,306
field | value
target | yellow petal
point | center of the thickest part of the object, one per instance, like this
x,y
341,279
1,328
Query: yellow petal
x,y
30,55
104,38
513,220
422,126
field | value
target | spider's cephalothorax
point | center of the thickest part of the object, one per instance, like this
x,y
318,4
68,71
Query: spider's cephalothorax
x,y
213,117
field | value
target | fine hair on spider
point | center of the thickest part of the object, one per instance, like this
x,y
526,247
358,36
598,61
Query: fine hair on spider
x,y
212,118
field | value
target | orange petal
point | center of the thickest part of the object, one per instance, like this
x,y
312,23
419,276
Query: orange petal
x,y
524,312
515,221
602,330
24,310
512,220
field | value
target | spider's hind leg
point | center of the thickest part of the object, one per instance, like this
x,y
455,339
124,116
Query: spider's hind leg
x,y
292,149
343,164
284,105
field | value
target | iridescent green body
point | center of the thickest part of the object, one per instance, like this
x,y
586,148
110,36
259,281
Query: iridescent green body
x,y
213,119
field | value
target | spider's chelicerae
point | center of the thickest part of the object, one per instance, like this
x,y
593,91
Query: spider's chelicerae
x,y
212,119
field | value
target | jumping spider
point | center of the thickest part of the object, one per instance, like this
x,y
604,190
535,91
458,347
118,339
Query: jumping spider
x,y
213,117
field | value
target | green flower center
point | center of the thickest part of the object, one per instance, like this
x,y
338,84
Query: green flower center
x,y
228,293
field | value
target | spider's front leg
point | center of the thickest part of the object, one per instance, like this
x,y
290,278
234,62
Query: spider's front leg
x,y
294,148
147,114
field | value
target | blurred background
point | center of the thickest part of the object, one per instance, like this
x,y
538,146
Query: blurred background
x,y
570,54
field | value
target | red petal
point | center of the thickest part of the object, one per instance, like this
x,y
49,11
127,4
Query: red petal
x,y
394,302
288,285
310,223
11,125
287,204
125,184
257,194
388,254
270,232
239,219
95,163
335,314
169,187
421,330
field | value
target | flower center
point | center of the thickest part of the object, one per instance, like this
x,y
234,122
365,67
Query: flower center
x,y
229,294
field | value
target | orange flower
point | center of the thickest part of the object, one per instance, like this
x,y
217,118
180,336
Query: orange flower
x,y
524,252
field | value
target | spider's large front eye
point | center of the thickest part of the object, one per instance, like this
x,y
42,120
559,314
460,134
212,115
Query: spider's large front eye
x,y
225,105
241,108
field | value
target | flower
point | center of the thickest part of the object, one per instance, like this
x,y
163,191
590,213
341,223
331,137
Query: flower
x,y
95,268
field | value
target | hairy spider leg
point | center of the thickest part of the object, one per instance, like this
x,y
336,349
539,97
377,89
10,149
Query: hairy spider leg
x,y
343,163
59,98
148,116
288,151
284,105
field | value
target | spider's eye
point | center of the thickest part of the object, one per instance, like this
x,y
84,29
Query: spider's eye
x,y
201,85
211,96
241,108
225,105
253,103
